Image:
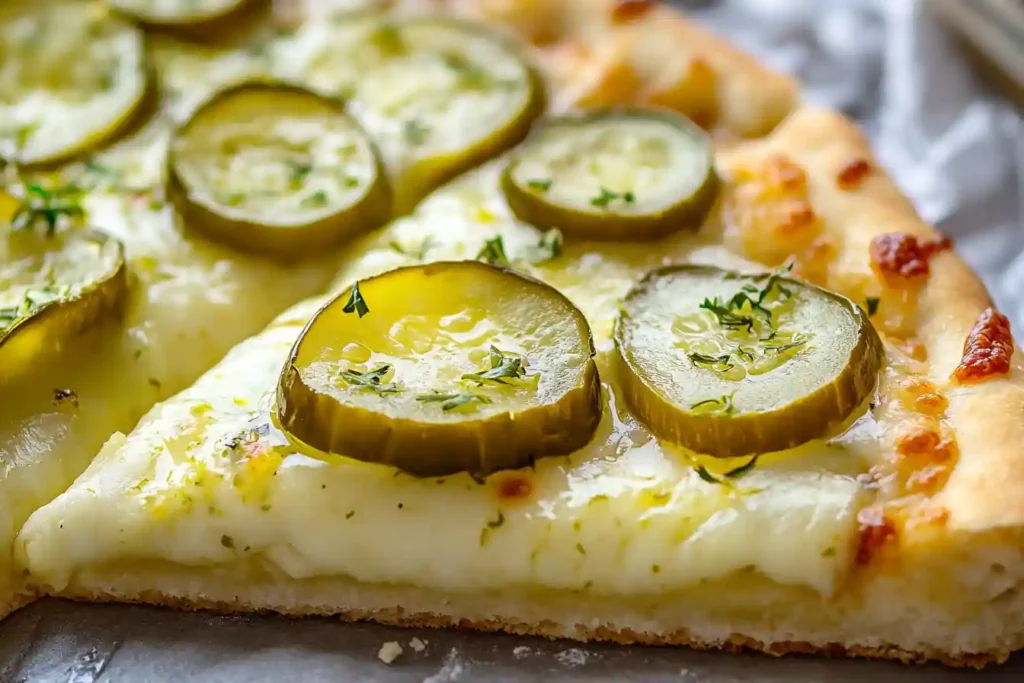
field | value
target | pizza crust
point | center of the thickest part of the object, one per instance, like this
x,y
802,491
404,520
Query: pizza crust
x,y
885,621
983,491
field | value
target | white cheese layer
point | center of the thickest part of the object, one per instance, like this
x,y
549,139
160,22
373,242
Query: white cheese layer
x,y
190,301
206,480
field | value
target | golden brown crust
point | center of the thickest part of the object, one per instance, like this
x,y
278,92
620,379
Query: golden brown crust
x,y
597,57
448,616
986,418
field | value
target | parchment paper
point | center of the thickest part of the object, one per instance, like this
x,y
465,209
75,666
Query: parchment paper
x,y
956,150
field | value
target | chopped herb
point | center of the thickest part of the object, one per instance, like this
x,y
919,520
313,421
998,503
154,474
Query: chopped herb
x,y
355,303
227,541
606,197
350,514
655,568
415,132
48,206
549,247
724,478
872,305
316,200
722,404
829,552
502,366
718,363
493,252
154,382
580,549
419,253
371,379
726,316
101,170
452,401
539,184
469,75
298,171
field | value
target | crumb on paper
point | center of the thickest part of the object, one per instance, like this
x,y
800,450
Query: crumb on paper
x,y
572,657
389,651
418,645
522,651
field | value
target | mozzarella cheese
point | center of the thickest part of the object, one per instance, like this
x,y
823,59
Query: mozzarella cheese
x,y
207,480
190,301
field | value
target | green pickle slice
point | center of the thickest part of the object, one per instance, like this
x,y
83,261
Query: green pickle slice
x,y
276,169
729,364
185,15
54,287
443,368
438,94
615,175
72,77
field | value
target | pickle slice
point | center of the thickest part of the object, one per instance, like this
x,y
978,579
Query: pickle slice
x,y
53,287
72,77
615,175
728,364
438,94
199,17
276,169
443,368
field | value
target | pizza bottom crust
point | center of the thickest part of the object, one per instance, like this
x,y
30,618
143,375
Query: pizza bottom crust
x,y
920,633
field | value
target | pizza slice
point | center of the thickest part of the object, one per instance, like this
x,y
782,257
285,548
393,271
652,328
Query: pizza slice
x,y
442,446
165,199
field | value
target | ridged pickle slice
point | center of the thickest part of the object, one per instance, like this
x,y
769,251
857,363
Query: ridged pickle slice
x,y
72,77
729,364
276,169
439,95
615,175
52,288
443,368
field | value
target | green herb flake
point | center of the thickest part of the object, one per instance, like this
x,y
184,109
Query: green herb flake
x,y
726,477
227,542
47,206
722,404
580,549
419,253
355,303
493,252
829,552
606,197
451,401
872,305
350,514
503,366
655,568
548,247
371,379
316,200
415,132
539,184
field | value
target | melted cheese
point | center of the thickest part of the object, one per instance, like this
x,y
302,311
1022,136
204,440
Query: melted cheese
x,y
206,480
190,301
69,76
